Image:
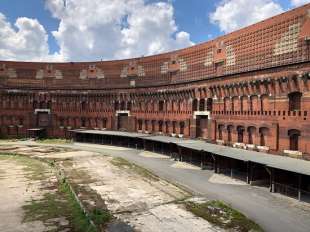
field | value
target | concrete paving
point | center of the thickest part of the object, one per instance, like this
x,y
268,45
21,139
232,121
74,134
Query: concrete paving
x,y
273,212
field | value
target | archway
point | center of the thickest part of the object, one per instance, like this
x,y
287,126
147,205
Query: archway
x,y
220,132
202,105
229,133
294,101
240,130
251,134
263,133
294,139
194,105
209,104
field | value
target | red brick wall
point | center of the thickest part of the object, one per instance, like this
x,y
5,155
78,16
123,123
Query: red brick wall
x,y
255,70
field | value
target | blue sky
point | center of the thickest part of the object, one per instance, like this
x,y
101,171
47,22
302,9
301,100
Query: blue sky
x,y
193,17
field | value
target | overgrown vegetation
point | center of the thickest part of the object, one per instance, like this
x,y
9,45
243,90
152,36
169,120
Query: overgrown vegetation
x,y
58,204
58,207
122,163
220,214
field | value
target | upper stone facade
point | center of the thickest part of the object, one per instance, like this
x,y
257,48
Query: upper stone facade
x,y
278,41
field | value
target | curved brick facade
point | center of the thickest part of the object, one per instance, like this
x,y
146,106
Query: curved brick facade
x,y
249,89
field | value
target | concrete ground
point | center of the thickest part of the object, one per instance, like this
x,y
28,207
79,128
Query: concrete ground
x,y
272,212
136,197
21,184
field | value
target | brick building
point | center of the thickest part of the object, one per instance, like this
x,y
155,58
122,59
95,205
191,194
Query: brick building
x,y
248,89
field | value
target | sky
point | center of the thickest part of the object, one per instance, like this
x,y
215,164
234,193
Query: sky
x,y
87,30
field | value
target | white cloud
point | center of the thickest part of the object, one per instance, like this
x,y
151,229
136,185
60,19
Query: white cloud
x,y
105,29
26,41
296,3
231,15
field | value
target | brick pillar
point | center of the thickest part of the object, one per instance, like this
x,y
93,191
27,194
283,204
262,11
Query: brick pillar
x,y
132,124
272,138
167,127
224,134
192,128
111,123
187,128
156,126
234,135
177,128
146,126
212,130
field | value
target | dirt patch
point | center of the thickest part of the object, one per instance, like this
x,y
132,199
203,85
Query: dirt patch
x,y
134,195
119,195
222,179
148,154
24,182
183,165
32,199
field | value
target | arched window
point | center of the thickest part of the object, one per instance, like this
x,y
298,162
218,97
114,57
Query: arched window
x,y
139,124
294,101
229,133
161,106
174,125
253,103
83,105
129,105
104,123
226,104
146,125
244,104
263,133
116,105
160,126
49,105
167,127
122,105
294,139
251,134
240,130
182,125
235,104
195,105
202,105
83,122
35,104
209,104
220,132
42,105
264,103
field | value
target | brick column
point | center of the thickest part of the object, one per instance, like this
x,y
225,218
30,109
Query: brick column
x,y
192,128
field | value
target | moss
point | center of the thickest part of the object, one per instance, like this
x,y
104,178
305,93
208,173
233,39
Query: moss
x,y
122,163
220,214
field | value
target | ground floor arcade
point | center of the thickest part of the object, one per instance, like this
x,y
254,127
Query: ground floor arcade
x,y
280,174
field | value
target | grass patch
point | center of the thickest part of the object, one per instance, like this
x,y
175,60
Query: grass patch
x,y
122,163
55,205
54,140
77,175
60,201
220,214
34,169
